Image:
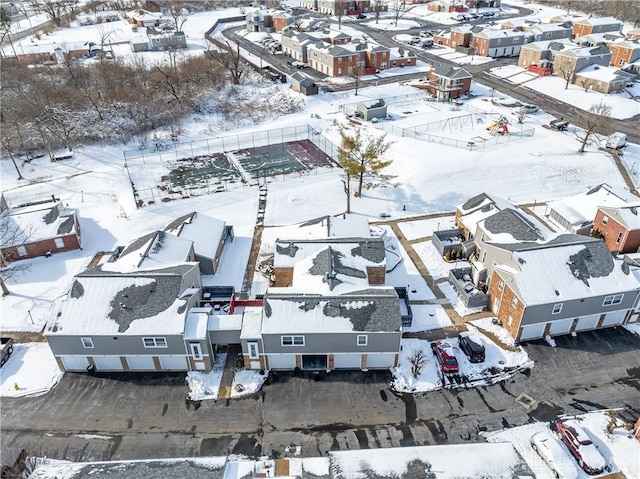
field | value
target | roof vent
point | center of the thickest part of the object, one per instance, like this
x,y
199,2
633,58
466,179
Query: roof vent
x,y
634,210
557,292
521,261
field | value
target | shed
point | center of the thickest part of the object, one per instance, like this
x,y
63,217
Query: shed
x,y
303,84
367,110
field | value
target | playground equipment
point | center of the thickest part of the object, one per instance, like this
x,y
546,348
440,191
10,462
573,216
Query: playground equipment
x,y
499,127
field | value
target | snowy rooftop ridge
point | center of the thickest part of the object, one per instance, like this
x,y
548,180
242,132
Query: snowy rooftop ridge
x,y
566,271
370,310
204,231
37,222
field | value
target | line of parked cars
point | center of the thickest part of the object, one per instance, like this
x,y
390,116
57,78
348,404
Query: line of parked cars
x,y
445,355
577,441
467,16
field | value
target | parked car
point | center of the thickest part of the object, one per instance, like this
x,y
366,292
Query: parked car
x,y
472,348
361,16
580,446
554,455
445,356
6,348
616,141
426,34
529,109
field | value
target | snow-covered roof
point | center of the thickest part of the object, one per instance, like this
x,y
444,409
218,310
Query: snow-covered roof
x,y
480,207
251,323
368,104
196,324
559,44
30,224
44,47
599,21
150,252
604,73
626,215
549,27
204,231
368,311
569,267
580,210
511,226
342,226
138,304
493,33
225,322
586,51
336,264
398,52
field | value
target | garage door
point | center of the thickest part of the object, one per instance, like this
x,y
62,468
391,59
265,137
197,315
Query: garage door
x,y
380,361
173,363
75,363
347,361
560,327
615,317
532,331
140,363
588,322
282,361
108,363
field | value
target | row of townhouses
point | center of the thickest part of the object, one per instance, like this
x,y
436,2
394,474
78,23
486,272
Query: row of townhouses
x,y
145,306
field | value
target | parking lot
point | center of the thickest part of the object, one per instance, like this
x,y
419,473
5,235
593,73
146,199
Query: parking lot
x,y
147,416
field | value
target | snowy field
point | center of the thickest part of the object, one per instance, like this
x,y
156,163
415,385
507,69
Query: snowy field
x,y
413,230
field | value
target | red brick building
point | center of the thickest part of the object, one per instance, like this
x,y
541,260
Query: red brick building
x,y
447,82
620,227
38,228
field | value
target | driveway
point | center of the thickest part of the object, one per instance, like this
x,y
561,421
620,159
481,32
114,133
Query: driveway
x,y
147,416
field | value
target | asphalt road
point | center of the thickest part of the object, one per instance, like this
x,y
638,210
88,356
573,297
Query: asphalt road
x,y
132,417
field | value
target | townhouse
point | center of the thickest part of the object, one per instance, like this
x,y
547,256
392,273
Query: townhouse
x,y
446,81
542,54
548,31
624,52
619,227
588,26
498,43
569,62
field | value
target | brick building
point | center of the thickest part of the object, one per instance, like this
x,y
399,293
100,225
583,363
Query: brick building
x,y
620,227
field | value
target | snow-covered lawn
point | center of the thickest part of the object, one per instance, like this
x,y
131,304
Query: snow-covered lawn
x,y
30,371
457,57
428,316
389,24
436,265
206,385
633,327
619,448
247,382
499,364
423,228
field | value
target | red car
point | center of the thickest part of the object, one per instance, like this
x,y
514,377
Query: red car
x,y
443,352
580,446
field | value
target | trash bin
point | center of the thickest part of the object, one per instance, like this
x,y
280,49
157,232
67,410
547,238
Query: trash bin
x,y
91,369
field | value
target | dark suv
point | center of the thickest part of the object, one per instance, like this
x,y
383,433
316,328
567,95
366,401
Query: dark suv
x,y
580,446
472,348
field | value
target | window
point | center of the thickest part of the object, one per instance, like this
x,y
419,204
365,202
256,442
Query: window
x,y
500,285
87,343
22,251
196,350
339,59
557,308
498,42
509,320
292,340
154,342
514,302
59,243
362,340
619,237
253,350
516,40
612,299
484,256
605,220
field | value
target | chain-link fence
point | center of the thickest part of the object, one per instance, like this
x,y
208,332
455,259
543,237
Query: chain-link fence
x,y
167,171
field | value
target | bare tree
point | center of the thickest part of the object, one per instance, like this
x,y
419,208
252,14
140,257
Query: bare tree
x,y
12,237
54,9
361,159
378,6
357,76
599,115
5,29
417,359
231,60
178,13
399,9
564,69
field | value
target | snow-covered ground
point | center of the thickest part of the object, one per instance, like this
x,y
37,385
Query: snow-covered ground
x,y
413,230
499,364
30,371
619,448
622,106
